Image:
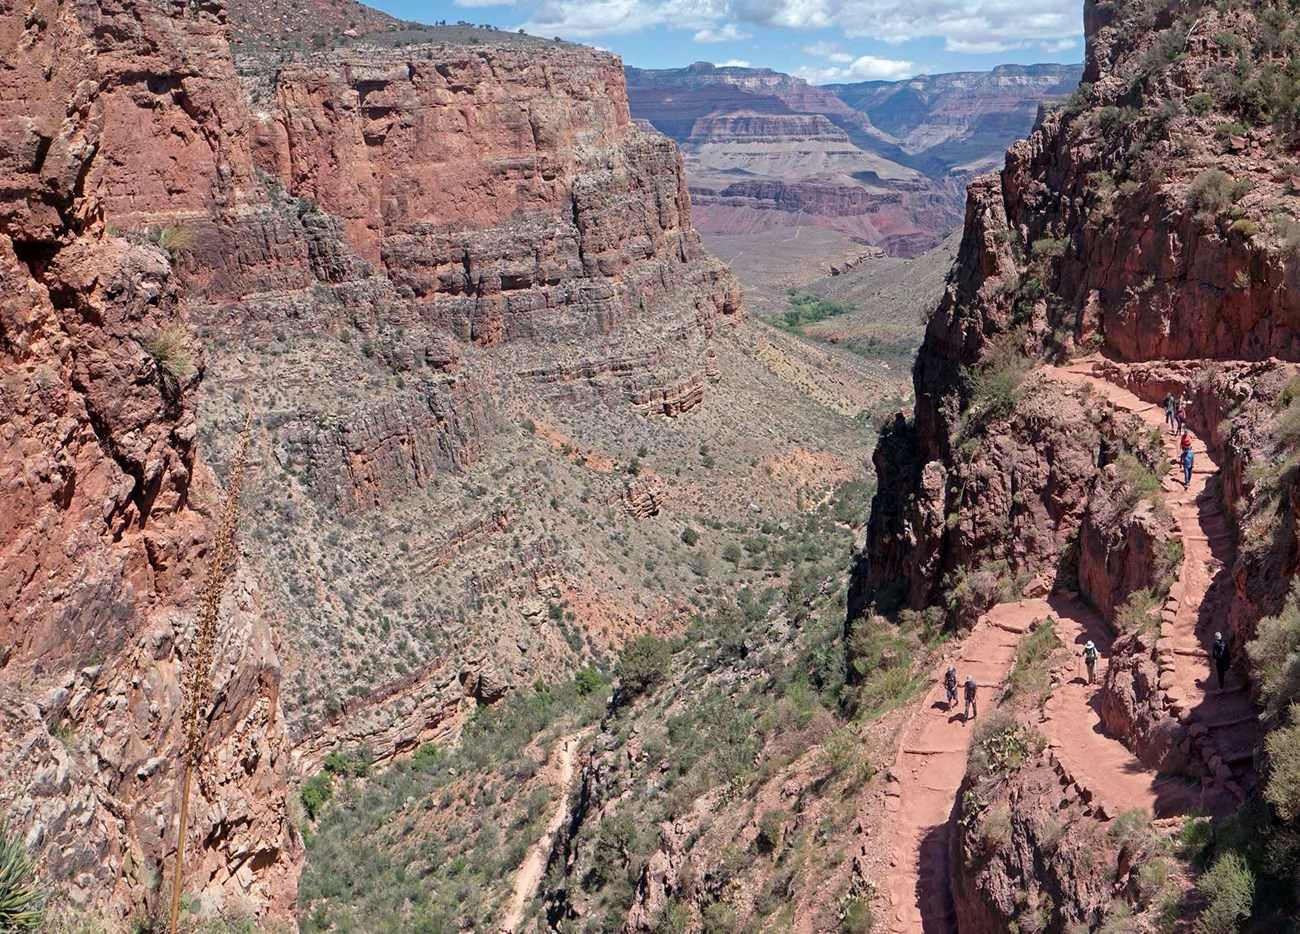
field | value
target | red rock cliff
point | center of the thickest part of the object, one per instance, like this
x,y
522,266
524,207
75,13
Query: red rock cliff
x,y
105,508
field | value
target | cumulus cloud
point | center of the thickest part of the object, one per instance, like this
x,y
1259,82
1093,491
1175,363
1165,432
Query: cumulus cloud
x,y
728,33
585,18
734,63
831,51
963,25
863,68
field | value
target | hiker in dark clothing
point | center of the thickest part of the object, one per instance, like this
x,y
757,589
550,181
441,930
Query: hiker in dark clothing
x,y
1222,657
950,685
972,709
1170,406
1090,659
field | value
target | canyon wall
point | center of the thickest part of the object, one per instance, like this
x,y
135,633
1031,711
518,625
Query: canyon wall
x,y
1144,220
108,509
344,242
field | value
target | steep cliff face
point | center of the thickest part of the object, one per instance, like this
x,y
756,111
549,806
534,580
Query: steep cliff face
x,y
1150,219
1101,235
107,508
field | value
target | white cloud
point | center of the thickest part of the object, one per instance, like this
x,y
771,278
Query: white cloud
x,y
734,63
963,25
831,51
728,33
1063,45
477,4
863,68
585,18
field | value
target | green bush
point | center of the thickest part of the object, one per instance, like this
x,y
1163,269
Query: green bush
x,y
643,664
770,830
690,536
170,348
315,792
1283,788
22,900
352,765
858,918
1211,191
1229,886
428,755
1201,103
1030,672
1245,227
1275,659
587,681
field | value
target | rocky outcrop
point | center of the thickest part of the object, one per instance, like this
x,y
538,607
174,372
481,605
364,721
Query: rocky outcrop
x,y
106,506
1030,854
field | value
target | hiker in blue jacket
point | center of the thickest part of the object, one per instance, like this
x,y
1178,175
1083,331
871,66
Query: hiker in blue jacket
x,y
1188,460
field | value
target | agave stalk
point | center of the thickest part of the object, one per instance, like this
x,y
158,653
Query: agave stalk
x,y
196,679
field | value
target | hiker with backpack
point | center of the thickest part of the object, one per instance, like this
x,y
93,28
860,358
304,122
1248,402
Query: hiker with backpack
x,y
1188,459
1222,657
1170,406
950,685
972,709
1090,659
1181,414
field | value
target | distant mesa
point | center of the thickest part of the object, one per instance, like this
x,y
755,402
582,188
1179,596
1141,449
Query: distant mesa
x,y
883,162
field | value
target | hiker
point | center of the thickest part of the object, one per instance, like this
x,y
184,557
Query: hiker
x,y
1181,414
972,709
1222,657
1188,459
1090,659
1170,406
950,685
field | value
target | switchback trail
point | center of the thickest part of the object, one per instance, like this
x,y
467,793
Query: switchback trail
x,y
529,874
935,742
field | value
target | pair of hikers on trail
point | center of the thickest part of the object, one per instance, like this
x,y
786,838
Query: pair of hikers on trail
x,y
950,685
1175,412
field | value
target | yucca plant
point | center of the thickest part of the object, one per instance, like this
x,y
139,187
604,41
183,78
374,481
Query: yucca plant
x,y
170,348
196,679
22,900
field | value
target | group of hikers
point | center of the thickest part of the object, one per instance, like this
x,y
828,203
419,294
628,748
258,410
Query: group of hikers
x,y
950,685
1220,653
1176,418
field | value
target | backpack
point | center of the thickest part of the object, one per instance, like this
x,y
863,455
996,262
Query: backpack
x,y
950,680
970,690
1090,655
1222,653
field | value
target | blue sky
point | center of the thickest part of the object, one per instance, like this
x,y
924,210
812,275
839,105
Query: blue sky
x,y
821,40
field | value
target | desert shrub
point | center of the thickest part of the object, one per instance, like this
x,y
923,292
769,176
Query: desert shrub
x,y
617,842
1047,247
1245,227
643,664
1201,103
995,386
1138,611
315,792
858,918
170,348
587,681
996,828
1030,672
1289,232
428,755
22,900
1229,885
675,919
1137,480
349,765
1211,191
998,744
690,536
175,240
1283,787
771,827
1275,659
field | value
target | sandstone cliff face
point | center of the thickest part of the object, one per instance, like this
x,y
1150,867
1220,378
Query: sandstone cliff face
x,y
107,509
1115,227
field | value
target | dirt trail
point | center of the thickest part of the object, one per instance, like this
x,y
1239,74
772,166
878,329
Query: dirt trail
x,y
1223,722
529,874
934,744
